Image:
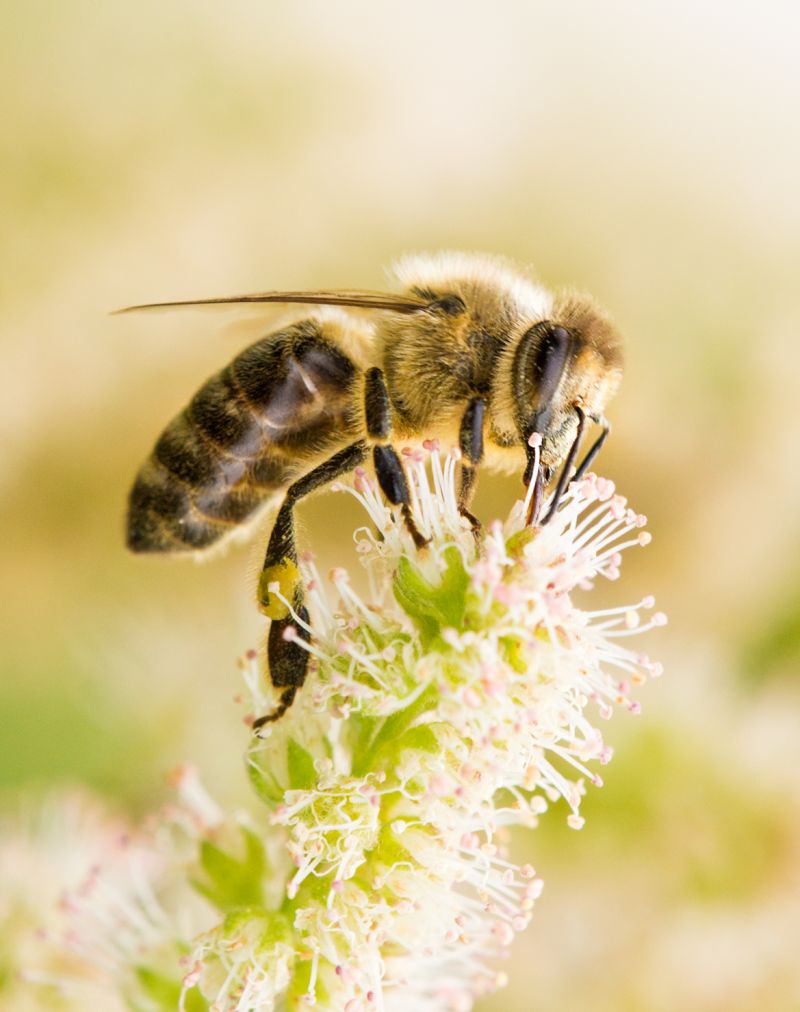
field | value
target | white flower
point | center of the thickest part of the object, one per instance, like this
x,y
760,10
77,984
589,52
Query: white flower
x,y
455,700
43,846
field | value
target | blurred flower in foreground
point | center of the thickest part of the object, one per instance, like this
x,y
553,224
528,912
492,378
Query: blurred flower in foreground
x,y
455,701
42,846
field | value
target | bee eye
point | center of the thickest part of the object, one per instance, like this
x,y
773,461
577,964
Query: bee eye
x,y
451,305
549,362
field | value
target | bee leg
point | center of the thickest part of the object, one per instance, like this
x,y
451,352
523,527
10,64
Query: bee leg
x,y
566,471
286,657
388,467
394,485
594,449
470,440
469,479
287,661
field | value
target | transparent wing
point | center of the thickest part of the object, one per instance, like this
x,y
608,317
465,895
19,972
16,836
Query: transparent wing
x,y
341,297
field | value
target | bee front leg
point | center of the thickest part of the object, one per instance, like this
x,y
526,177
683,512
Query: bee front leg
x,y
566,477
594,449
470,441
388,467
286,658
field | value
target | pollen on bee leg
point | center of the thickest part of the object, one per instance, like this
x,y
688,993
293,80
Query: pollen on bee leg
x,y
276,587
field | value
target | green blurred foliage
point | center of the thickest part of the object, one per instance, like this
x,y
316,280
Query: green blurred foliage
x,y
772,651
655,799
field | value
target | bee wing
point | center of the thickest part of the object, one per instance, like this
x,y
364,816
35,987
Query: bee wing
x,y
340,297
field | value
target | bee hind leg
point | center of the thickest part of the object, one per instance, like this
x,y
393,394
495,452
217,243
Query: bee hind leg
x,y
287,659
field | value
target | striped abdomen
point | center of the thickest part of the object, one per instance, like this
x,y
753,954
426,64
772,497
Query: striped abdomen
x,y
281,405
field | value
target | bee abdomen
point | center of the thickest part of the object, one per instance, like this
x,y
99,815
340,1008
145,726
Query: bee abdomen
x,y
161,517
224,419
247,433
190,492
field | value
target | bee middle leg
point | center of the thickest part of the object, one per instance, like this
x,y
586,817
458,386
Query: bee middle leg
x,y
286,658
470,440
388,466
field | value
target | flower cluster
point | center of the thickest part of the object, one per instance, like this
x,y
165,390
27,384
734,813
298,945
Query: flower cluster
x,y
452,700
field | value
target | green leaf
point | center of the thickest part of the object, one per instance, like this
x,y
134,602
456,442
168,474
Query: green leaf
x,y
513,655
517,542
421,738
390,850
302,774
392,728
266,786
433,607
264,928
231,882
165,992
194,1001
299,984
360,730
411,592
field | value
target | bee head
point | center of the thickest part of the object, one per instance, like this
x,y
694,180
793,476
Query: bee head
x,y
572,359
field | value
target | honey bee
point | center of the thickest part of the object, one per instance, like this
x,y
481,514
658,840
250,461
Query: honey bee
x,y
472,351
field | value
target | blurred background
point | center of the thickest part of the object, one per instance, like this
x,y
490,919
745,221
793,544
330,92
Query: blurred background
x,y
641,151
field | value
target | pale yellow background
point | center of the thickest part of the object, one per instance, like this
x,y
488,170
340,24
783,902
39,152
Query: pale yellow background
x,y
646,152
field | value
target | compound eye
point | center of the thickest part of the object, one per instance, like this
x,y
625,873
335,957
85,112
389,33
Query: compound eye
x,y
549,363
451,305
